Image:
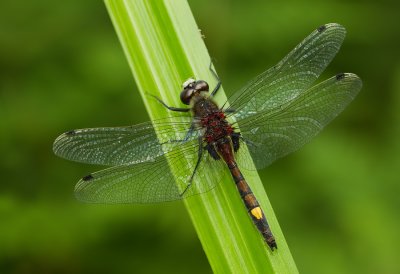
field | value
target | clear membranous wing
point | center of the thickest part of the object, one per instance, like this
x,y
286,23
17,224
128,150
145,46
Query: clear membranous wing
x,y
278,112
151,181
125,145
291,76
141,161
272,134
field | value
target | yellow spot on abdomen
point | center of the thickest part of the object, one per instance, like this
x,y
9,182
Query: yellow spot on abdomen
x,y
256,212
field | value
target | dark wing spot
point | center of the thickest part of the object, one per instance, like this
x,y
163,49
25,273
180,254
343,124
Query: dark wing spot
x,y
87,177
340,76
70,133
321,28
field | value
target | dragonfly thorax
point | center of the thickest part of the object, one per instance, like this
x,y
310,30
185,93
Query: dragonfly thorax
x,y
211,119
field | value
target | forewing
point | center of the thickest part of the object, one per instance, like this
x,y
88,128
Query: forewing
x,y
291,76
275,133
124,145
152,181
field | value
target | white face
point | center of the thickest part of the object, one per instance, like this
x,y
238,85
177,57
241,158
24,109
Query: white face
x,y
188,82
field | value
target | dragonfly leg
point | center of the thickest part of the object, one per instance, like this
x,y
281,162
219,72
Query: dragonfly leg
x,y
216,77
199,155
235,141
170,108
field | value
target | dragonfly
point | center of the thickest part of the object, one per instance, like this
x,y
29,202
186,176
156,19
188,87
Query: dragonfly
x,y
273,115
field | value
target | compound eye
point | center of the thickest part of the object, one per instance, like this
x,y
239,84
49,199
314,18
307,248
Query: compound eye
x,y
201,86
186,95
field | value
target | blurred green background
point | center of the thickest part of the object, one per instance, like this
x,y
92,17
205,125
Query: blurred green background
x,y
337,199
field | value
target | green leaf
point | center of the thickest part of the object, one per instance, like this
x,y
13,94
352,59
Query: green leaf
x,y
164,47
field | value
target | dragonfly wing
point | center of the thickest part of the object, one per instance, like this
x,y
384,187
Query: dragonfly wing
x,y
124,145
291,76
275,133
151,181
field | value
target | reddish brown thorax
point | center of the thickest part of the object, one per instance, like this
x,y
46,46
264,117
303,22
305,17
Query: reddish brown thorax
x,y
212,119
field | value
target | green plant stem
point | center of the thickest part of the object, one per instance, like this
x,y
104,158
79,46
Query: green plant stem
x,y
164,47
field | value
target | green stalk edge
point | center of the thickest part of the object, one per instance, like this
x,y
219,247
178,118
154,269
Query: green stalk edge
x,y
164,47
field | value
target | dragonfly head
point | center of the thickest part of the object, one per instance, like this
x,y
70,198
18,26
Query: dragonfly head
x,y
192,87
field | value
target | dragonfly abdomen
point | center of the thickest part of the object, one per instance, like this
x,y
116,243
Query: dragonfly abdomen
x,y
224,148
252,205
